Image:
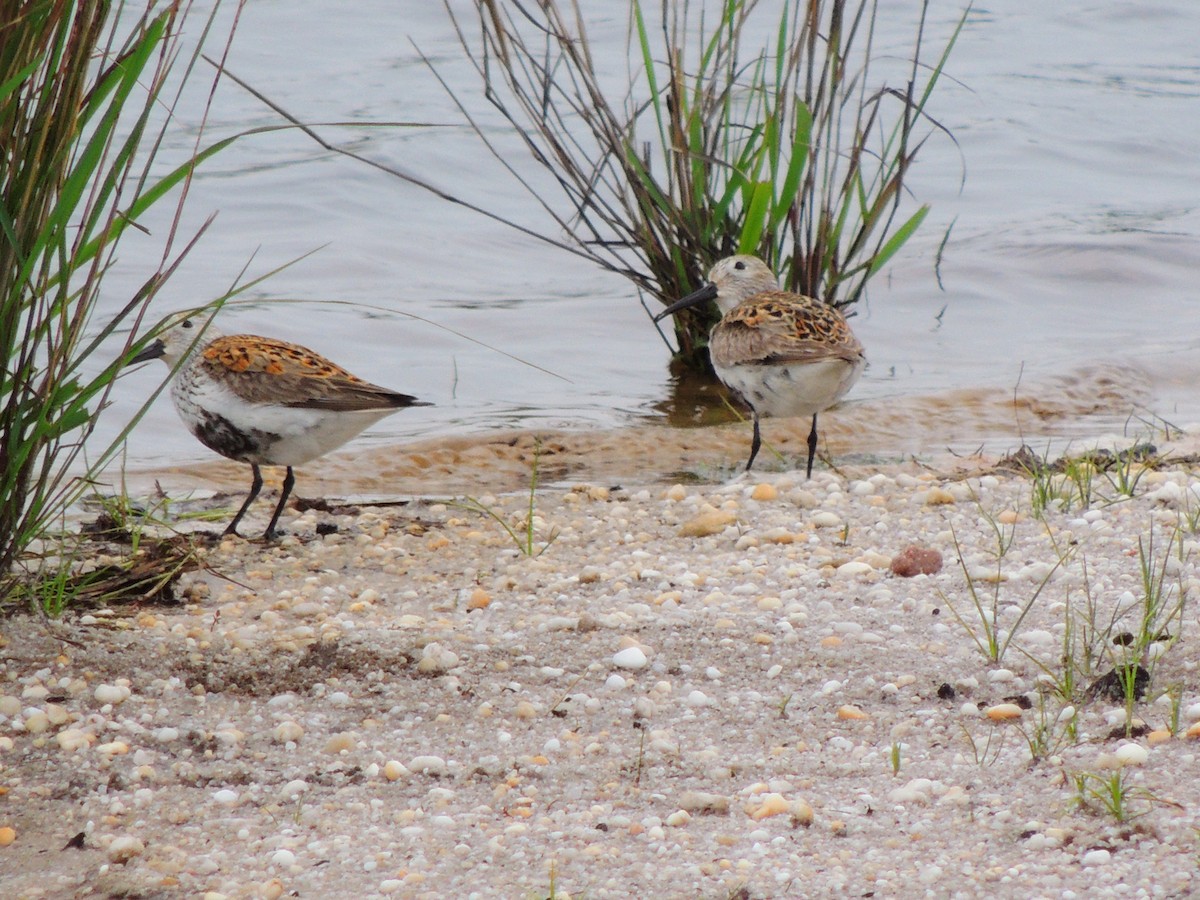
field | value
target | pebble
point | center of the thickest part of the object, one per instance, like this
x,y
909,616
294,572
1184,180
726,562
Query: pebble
x,y
938,497
287,732
74,739
826,519
704,802
764,491
707,523
225,797
854,567
801,813
428,765
766,806
111,694
124,848
293,789
1132,755
393,770
342,742
630,658
916,560
8,834
436,659
1100,857
1003,712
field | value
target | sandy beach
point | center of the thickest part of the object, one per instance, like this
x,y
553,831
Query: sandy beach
x,y
757,687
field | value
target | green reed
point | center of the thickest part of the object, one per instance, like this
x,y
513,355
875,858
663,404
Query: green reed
x,y
791,151
85,99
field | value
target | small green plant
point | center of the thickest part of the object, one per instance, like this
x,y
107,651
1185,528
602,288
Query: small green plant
x,y
894,758
1103,793
984,629
67,577
783,705
986,754
524,533
1126,471
1189,517
1111,794
1175,720
1079,482
1060,486
1051,727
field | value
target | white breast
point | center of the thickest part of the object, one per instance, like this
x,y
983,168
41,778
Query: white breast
x,y
792,389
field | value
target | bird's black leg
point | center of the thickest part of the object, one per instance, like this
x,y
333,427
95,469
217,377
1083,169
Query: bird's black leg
x,y
812,445
288,481
755,443
255,487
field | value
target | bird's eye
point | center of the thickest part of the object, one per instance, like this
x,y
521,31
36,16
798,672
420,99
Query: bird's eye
x,y
186,323
739,265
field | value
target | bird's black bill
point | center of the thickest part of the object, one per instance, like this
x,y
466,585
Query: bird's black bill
x,y
706,293
153,350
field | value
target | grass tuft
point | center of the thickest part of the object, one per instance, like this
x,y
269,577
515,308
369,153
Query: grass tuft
x,y
733,129
84,105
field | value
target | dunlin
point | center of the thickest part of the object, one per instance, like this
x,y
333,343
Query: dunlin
x,y
266,402
786,354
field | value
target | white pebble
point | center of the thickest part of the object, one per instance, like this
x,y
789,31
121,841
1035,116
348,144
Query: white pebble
x,y
111,693
1096,858
1132,754
283,857
225,797
430,765
854,568
293,789
393,770
630,658
124,848
286,732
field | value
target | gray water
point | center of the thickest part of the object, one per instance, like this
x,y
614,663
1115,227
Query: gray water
x,y
1071,185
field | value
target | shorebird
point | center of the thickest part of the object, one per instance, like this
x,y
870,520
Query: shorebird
x,y
786,354
266,402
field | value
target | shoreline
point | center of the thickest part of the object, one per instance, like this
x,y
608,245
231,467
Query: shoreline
x,y
940,429
702,690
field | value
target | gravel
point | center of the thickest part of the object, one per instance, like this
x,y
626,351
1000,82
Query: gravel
x,y
683,691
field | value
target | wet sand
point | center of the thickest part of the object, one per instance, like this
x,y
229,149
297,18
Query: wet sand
x,y
686,690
